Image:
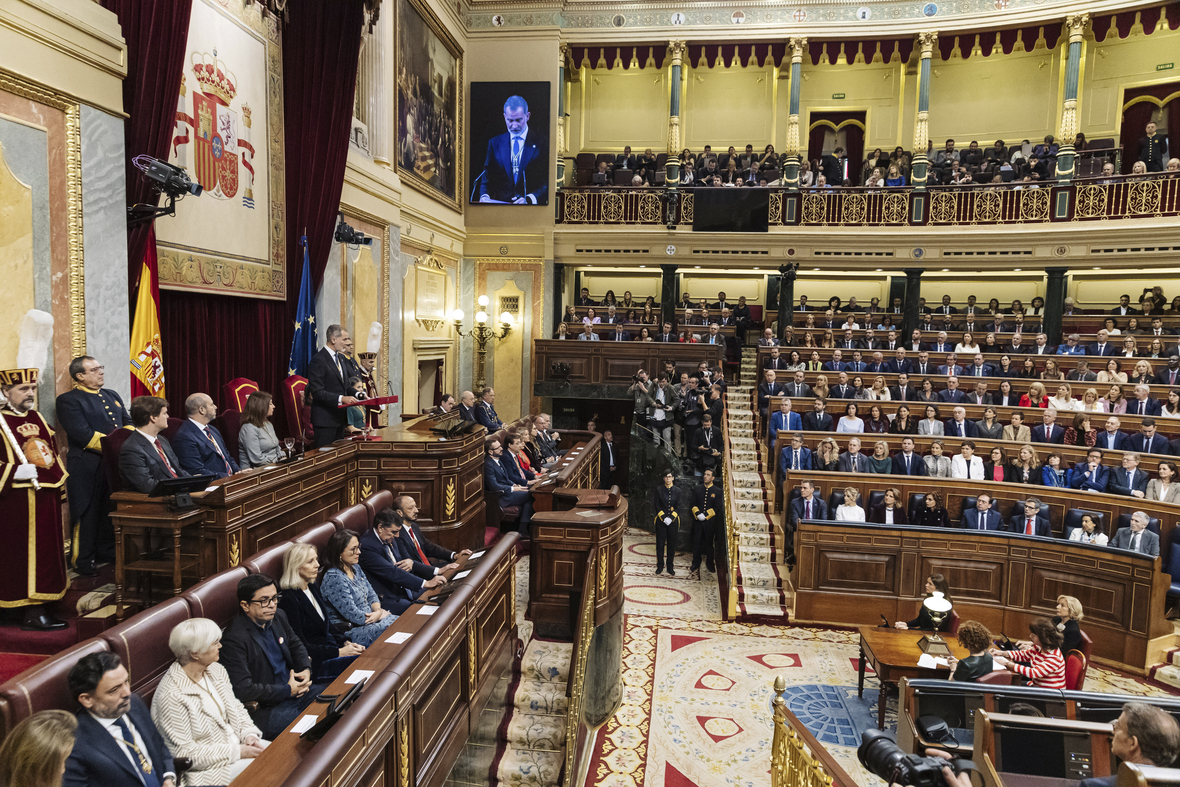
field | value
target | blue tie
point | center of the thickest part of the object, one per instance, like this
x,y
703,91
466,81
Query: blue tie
x,y
144,769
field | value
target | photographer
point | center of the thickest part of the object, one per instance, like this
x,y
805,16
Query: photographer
x,y
690,413
664,402
881,756
707,445
641,390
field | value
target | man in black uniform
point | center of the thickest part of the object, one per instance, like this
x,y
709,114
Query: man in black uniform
x,y
708,508
666,502
88,413
1153,149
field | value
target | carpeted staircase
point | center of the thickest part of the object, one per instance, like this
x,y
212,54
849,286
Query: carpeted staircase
x,y
763,585
533,733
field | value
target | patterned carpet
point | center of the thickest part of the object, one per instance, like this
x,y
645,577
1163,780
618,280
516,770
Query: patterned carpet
x,y
697,690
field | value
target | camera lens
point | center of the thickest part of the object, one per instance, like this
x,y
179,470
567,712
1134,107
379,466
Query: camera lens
x,y
880,755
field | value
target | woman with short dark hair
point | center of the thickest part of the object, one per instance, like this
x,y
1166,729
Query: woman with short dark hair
x,y
976,639
1042,664
347,591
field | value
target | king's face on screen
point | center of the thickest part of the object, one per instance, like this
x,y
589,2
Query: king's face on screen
x,y
517,120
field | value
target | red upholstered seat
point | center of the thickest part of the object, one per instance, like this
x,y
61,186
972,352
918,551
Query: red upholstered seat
x,y
298,415
378,502
112,444
1075,670
952,627
217,597
269,561
237,391
44,686
1000,677
229,423
318,535
173,426
142,643
1087,645
354,518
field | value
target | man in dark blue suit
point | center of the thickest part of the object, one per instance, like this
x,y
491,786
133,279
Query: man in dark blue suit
x,y
1111,439
784,419
1103,346
1048,431
516,168
982,517
907,461
958,425
497,479
1090,475
425,553
1030,523
619,335
388,566
1148,441
978,368
116,744
198,445
817,420
952,394
1143,404
794,457
485,413
807,506
1129,480
900,364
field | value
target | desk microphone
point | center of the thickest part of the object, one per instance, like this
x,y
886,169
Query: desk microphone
x,y
475,183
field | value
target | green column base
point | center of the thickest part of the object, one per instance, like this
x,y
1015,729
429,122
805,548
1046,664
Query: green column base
x,y
1065,164
918,172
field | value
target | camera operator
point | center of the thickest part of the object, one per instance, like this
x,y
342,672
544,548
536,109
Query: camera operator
x,y
707,445
881,756
679,438
664,402
690,414
641,390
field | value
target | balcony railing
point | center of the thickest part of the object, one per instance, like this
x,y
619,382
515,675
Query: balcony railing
x,y
1089,199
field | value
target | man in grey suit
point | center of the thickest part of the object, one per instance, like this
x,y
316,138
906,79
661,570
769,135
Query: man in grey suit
x,y
146,458
852,461
1137,538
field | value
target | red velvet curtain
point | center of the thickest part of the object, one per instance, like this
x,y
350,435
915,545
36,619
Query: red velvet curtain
x,y
1135,119
156,32
211,339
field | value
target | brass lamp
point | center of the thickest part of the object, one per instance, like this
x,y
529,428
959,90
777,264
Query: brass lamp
x,y
938,607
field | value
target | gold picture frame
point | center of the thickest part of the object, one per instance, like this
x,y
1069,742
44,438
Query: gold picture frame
x,y
418,165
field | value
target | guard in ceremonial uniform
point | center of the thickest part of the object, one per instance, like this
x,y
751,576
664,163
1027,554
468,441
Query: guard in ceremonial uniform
x,y
485,413
708,508
31,481
666,502
1153,149
88,413
372,411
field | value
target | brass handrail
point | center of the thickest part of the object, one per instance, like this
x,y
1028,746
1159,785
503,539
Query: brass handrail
x,y
796,758
730,531
577,676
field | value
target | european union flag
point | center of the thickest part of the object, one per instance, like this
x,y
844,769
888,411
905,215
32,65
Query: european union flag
x,y
303,346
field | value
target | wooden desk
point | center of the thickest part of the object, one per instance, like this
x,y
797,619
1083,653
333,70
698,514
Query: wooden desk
x,y
894,654
414,715
1067,363
605,370
851,573
578,468
135,520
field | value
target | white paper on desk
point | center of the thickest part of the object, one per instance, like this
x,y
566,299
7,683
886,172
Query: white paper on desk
x,y
303,725
474,555
461,574
427,610
210,489
998,667
930,662
359,675
270,467
399,637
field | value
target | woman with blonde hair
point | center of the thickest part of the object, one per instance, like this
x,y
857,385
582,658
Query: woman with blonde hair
x,y
195,709
879,392
307,613
1026,469
34,754
1093,403
1143,374
829,340
1035,397
849,511
1063,400
880,462
820,390
1130,350
826,456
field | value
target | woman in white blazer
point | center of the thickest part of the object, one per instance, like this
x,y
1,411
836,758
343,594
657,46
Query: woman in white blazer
x,y
931,424
1166,488
197,713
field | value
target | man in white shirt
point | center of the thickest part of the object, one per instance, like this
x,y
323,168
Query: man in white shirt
x,y
588,334
967,464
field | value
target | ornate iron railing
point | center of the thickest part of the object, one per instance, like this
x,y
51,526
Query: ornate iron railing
x,y
1085,199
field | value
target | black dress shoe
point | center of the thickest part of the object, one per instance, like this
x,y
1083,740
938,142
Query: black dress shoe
x,y
711,568
671,572
42,622
86,568
659,570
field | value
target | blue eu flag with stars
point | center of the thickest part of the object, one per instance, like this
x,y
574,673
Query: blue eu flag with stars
x,y
303,346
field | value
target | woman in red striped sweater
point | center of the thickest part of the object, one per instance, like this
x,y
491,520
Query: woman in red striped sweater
x,y
1042,664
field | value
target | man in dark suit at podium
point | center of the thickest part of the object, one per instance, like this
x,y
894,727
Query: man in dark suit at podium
x,y
327,387
146,458
516,168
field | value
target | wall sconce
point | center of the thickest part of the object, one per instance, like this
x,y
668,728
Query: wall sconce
x,y
482,335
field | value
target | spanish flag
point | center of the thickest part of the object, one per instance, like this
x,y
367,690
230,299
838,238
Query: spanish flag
x,y
147,359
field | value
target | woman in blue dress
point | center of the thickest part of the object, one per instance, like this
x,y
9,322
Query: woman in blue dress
x,y
350,597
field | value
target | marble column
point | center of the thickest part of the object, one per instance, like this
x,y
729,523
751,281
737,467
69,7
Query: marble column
x,y
1054,303
669,293
786,295
798,46
920,162
1076,25
913,293
676,49
558,289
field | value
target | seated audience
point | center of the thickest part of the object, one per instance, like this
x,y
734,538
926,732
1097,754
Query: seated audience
x,y
967,464
1054,473
1091,475
983,516
1137,538
257,443
35,751
1080,432
932,513
1129,481
307,614
849,511
267,663
199,446
1089,532
1025,469
976,639
1166,488
115,730
880,462
890,511
196,712
826,457
513,491
937,465
1042,664
935,583
352,602
1031,523
146,457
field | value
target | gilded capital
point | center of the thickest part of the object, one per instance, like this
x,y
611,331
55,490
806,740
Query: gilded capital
x,y
926,41
563,54
676,50
798,46
1077,23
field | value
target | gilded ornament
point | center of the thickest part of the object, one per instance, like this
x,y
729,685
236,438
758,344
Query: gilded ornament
x,y
235,550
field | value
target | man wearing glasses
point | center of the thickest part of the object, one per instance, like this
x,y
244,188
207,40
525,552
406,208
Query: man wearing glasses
x,y
266,661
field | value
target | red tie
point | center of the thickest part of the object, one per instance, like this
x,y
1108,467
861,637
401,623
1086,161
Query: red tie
x,y
160,451
417,546
1028,527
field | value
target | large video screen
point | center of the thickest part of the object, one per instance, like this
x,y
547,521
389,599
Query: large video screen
x,y
718,209
509,143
